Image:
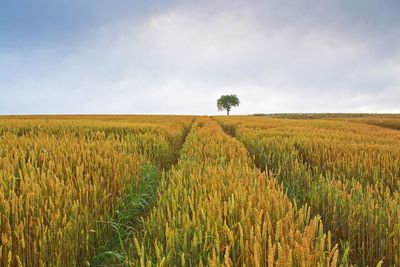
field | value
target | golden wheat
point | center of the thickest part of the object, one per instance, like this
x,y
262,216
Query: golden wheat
x,y
217,209
61,176
349,173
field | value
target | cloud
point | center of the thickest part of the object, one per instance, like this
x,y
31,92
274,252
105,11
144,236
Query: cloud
x,y
178,58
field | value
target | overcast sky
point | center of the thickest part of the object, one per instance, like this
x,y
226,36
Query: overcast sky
x,y
178,57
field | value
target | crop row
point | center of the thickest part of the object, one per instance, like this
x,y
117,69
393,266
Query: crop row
x,y
216,209
348,173
62,178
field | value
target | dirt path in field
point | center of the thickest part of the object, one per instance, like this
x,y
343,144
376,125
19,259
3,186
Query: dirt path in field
x,y
215,208
130,217
324,196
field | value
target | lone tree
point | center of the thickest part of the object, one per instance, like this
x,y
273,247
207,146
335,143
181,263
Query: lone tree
x,y
226,102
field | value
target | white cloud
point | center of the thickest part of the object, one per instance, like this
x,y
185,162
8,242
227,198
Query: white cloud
x,y
181,59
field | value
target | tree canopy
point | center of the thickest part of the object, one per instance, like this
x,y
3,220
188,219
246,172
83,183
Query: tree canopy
x,y
226,102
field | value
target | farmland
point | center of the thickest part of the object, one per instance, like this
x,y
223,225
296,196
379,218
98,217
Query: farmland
x,y
199,191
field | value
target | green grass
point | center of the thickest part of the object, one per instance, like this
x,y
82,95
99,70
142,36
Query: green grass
x,y
134,204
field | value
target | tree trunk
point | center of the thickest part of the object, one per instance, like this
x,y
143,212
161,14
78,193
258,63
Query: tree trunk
x,y
227,112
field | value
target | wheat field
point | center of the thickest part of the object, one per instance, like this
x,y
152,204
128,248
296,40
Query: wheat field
x,y
199,191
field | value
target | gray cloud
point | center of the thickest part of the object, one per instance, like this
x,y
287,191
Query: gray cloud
x,y
278,56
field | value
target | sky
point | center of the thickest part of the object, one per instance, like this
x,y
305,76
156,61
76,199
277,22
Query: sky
x,y
178,57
